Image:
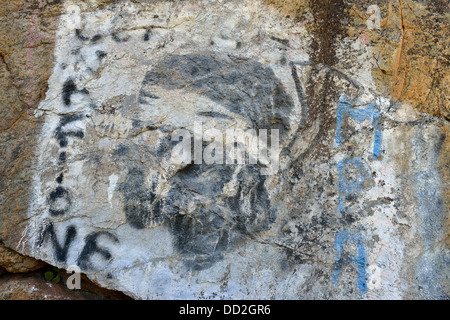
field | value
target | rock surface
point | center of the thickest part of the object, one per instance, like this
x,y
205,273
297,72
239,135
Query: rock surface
x,y
33,286
28,287
357,207
14,262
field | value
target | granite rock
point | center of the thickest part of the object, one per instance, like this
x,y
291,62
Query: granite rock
x,y
351,200
11,261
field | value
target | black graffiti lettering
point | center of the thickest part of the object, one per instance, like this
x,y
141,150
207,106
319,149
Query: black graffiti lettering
x,y
70,88
284,42
91,247
142,207
60,251
61,135
59,201
147,35
62,157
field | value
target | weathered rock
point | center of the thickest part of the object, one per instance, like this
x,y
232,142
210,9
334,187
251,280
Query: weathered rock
x,y
14,262
33,286
27,35
357,207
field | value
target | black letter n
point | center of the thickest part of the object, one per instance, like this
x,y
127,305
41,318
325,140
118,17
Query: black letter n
x,y
60,251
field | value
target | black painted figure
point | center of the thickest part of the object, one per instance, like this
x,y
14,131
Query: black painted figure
x,y
205,220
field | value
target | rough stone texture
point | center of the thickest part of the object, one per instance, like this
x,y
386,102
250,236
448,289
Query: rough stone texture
x,y
14,262
357,209
27,31
19,287
33,286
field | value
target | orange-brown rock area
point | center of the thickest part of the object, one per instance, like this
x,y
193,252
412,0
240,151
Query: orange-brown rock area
x,y
34,286
412,44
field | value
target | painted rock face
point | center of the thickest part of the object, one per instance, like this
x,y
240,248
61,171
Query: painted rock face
x,y
198,151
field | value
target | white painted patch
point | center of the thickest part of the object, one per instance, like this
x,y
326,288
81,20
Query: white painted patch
x,y
112,186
